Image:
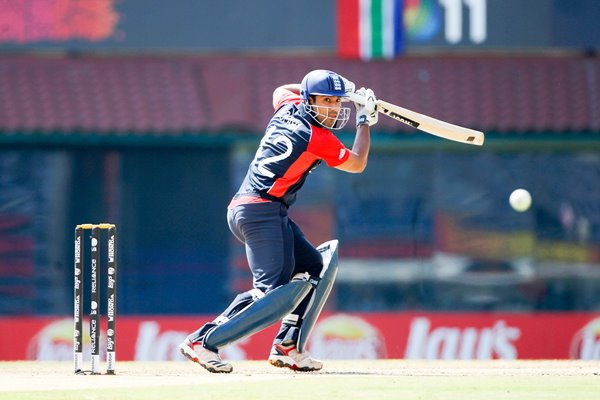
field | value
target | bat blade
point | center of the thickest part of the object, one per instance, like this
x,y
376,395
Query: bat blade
x,y
431,125
425,123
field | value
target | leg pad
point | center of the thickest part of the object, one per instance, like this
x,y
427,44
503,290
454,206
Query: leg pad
x,y
260,314
329,251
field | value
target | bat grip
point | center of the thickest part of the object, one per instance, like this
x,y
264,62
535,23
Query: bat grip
x,y
356,98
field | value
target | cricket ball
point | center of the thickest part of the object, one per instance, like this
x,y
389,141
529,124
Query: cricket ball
x,y
520,200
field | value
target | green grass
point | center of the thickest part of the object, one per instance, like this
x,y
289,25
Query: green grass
x,y
348,388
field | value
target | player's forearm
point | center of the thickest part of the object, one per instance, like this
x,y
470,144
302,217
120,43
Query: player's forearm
x,y
284,93
359,155
362,145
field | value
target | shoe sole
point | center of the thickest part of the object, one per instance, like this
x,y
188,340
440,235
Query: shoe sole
x,y
279,363
184,350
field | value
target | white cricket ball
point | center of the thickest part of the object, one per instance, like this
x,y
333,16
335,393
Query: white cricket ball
x,y
520,200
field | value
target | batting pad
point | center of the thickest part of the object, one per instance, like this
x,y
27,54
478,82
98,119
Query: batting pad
x,y
260,314
329,252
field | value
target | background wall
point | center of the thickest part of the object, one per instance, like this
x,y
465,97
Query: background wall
x,y
146,115
307,26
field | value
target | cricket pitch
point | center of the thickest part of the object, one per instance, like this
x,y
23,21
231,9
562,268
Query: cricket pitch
x,y
354,379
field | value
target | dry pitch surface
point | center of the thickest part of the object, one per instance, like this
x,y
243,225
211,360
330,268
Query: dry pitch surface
x,y
348,379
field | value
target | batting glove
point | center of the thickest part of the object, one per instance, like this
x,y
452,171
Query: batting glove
x,y
349,85
367,113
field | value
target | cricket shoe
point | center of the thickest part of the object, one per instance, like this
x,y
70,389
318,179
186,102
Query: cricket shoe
x,y
208,359
289,357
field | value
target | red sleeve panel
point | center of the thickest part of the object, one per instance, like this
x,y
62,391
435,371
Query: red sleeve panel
x,y
283,96
293,175
326,146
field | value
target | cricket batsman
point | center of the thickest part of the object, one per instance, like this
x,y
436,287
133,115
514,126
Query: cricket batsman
x,y
291,278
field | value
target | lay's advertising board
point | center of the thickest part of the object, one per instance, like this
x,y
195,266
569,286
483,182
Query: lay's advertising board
x,y
336,336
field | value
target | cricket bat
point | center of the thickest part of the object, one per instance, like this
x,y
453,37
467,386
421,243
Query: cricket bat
x,y
424,123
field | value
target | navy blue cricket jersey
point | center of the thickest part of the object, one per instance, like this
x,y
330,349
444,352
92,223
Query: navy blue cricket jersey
x,y
290,149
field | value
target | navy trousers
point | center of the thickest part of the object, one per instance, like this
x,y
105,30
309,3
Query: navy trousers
x,y
276,250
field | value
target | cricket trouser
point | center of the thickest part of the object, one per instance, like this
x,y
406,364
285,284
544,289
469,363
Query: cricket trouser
x,y
276,250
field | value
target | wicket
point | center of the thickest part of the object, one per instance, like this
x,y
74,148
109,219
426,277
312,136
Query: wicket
x,y
95,230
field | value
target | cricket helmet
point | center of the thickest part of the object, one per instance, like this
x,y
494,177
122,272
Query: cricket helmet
x,y
321,82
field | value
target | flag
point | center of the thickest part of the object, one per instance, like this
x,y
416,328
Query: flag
x,y
369,29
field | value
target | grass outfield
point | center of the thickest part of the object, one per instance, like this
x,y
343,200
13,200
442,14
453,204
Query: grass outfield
x,y
383,379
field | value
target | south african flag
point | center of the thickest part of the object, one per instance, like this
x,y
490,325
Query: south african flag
x,y
369,29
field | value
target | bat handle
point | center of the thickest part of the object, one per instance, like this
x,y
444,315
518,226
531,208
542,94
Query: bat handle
x,y
356,98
